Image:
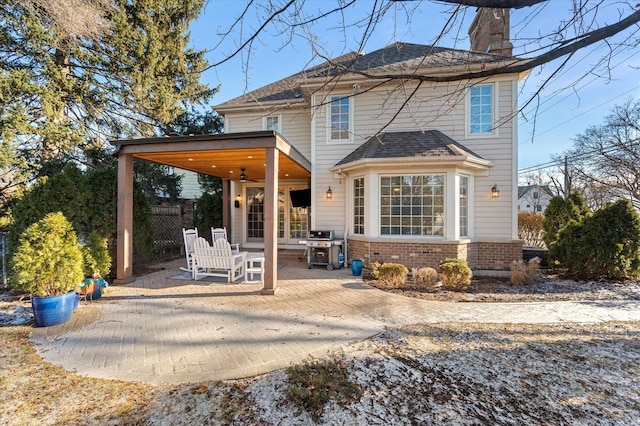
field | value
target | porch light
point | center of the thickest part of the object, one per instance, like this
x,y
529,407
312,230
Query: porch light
x,y
237,201
329,194
495,192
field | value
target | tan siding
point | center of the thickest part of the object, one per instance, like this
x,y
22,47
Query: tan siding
x,y
435,107
439,107
190,186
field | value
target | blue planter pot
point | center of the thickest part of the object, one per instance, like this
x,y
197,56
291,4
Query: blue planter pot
x,y
53,310
356,267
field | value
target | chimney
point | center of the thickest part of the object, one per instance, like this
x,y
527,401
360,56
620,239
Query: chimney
x,y
489,32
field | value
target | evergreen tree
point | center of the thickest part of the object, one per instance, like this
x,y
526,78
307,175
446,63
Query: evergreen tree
x,y
60,91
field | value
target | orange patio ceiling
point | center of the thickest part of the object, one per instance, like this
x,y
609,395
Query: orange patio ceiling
x,y
222,155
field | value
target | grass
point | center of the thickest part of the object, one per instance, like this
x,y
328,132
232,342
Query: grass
x,y
35,390
419,374
317,381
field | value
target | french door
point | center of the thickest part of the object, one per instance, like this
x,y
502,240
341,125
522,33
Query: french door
x,y
292,221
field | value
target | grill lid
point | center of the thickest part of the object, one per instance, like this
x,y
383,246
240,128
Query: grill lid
x,y
321,235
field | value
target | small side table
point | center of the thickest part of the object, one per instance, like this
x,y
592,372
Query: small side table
x,y
254,265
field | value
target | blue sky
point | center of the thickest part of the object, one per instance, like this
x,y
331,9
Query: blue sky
x,y
561,113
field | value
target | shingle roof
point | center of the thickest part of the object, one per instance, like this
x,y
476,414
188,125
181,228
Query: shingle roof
x,y
430,143
396,58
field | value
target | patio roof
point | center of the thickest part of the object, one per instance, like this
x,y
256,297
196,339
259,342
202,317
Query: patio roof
x,y
263,155
222,155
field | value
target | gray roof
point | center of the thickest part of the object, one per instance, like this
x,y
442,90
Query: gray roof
x,y
429,143
396,58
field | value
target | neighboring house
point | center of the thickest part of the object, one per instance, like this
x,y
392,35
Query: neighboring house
x,y
191,189
417,193
534,198
408,181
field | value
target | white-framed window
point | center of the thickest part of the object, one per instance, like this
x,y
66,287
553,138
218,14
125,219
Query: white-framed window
x,y
340,119
463,193
412,205
358,206
481,104
272,122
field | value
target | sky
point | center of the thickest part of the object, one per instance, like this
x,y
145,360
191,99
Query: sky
x,y
547,125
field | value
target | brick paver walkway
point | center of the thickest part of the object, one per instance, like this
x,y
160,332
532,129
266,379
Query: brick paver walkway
x,y
162,330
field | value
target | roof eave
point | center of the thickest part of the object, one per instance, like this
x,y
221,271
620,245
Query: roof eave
x,y
267,106
467,162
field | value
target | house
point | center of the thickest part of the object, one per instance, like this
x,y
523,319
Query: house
x,y
419,191
534,198
412,180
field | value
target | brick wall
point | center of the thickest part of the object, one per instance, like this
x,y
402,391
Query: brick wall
x,y
491,255
479,255
490,31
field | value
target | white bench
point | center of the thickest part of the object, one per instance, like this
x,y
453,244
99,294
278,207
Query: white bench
x,y
217,261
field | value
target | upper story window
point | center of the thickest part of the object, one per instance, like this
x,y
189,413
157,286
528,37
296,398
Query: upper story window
x,y
535,196
272,122
481,99
340,119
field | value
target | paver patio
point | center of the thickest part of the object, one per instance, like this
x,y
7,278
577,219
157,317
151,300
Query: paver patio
x,y
163,330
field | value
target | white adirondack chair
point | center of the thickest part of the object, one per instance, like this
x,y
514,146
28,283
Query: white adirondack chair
x,y
189,236
217,261
217,233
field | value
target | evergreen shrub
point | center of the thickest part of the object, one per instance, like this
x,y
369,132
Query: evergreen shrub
x,y
455,274
393,275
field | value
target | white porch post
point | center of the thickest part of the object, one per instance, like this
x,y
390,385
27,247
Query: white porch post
x,y
124,250
271,222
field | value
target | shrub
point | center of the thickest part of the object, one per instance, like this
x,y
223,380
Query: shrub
x,y
604,245
425,276
559,214
393,275
96,255
530,228
455,274
375,269
207,214
48,258
314,383
65,192
523,273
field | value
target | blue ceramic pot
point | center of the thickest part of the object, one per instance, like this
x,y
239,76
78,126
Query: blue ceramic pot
x,y
356,267
53,310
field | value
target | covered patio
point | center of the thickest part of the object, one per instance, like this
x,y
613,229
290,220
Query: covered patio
x,y
263,155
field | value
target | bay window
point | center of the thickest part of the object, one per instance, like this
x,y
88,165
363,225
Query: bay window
x,y
412,205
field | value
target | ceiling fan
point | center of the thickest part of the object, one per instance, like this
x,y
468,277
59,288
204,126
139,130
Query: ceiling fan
x,y
243,176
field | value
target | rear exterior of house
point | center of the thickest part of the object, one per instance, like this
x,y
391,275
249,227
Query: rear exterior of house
x,y
412,181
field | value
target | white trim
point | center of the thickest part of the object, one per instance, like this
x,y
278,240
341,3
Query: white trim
x,y
350,99
495,109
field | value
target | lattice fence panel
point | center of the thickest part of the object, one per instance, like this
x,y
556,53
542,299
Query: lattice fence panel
x,y
167,227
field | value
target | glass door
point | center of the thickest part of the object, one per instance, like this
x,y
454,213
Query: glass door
x,y
292,221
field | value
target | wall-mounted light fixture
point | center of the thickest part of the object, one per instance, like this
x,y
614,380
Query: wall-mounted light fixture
x,y
495,192
329,194
237,201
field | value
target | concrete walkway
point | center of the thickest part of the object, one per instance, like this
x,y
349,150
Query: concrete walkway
x,y
163,330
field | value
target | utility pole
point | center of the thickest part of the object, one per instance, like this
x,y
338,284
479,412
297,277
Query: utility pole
x,y
567,181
